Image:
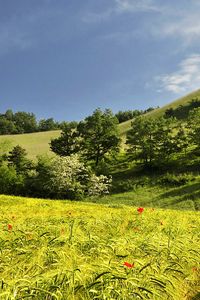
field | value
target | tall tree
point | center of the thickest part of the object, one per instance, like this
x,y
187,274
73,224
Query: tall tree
x,y
17,158
47,124
99,133
194,127
68,142
25,122
151,139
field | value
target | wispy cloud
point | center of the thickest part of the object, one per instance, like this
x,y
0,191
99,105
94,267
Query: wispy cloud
x,y
179,22
185,27
119,7
123,6
187,78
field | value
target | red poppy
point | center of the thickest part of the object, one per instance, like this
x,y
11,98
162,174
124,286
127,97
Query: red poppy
x,y
140,210
62,231
128,265
9,227
194,269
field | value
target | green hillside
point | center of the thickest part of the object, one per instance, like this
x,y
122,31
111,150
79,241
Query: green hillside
x,y
160,111
38,143
35,143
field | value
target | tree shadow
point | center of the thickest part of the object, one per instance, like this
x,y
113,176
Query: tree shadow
x,y
183,191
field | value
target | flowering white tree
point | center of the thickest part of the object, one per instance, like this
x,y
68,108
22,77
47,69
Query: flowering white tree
x,y
70,178
99,185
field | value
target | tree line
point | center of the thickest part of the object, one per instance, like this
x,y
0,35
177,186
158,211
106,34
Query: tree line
x,y
149,141
23,122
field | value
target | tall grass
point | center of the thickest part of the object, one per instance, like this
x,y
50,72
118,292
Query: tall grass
x,y
71,250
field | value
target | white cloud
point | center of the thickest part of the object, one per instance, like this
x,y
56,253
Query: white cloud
x,y
119,7
186,28
134,6
187,78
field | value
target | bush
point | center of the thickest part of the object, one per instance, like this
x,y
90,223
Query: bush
x,y
99,185
123,186
65,178
10,182
175,180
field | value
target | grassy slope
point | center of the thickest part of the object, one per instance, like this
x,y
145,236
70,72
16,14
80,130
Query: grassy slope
x,y
185,197
34,143
38,143
160,111
73,250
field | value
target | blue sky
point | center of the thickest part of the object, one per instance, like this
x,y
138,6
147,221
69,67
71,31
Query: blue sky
x,y
65,58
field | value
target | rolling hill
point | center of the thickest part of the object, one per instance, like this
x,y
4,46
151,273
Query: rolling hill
x,y
38,143
125,126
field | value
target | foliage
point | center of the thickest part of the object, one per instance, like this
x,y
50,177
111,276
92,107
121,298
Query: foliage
x,y
23,122
123,116
175,180
194,126
99,135
68,177
182,111
68,142
99,185
65,178
11,183
151,139
17,158
47,125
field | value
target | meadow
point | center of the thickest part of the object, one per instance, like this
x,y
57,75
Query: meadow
x,y
53,249
35,143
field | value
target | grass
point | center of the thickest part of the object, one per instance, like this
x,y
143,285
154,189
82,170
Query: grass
x,y
74,250
185,197
125,126
35,143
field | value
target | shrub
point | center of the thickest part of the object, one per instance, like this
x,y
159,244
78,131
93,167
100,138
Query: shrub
x,y
10,182
99,185
175,180
66,178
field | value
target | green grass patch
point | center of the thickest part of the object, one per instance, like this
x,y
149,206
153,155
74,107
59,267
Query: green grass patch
x,y
184,197
34,143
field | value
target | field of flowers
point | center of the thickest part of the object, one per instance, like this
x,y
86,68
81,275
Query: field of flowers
x,y
73,250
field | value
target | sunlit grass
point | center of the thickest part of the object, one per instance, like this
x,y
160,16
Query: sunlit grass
x,y
75,250
35,143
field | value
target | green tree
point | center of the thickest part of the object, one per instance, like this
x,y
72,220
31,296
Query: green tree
x,y
99,133
25,122
17,158
6,126
194,127
67,143
10,181
47,125
182,140
151,139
